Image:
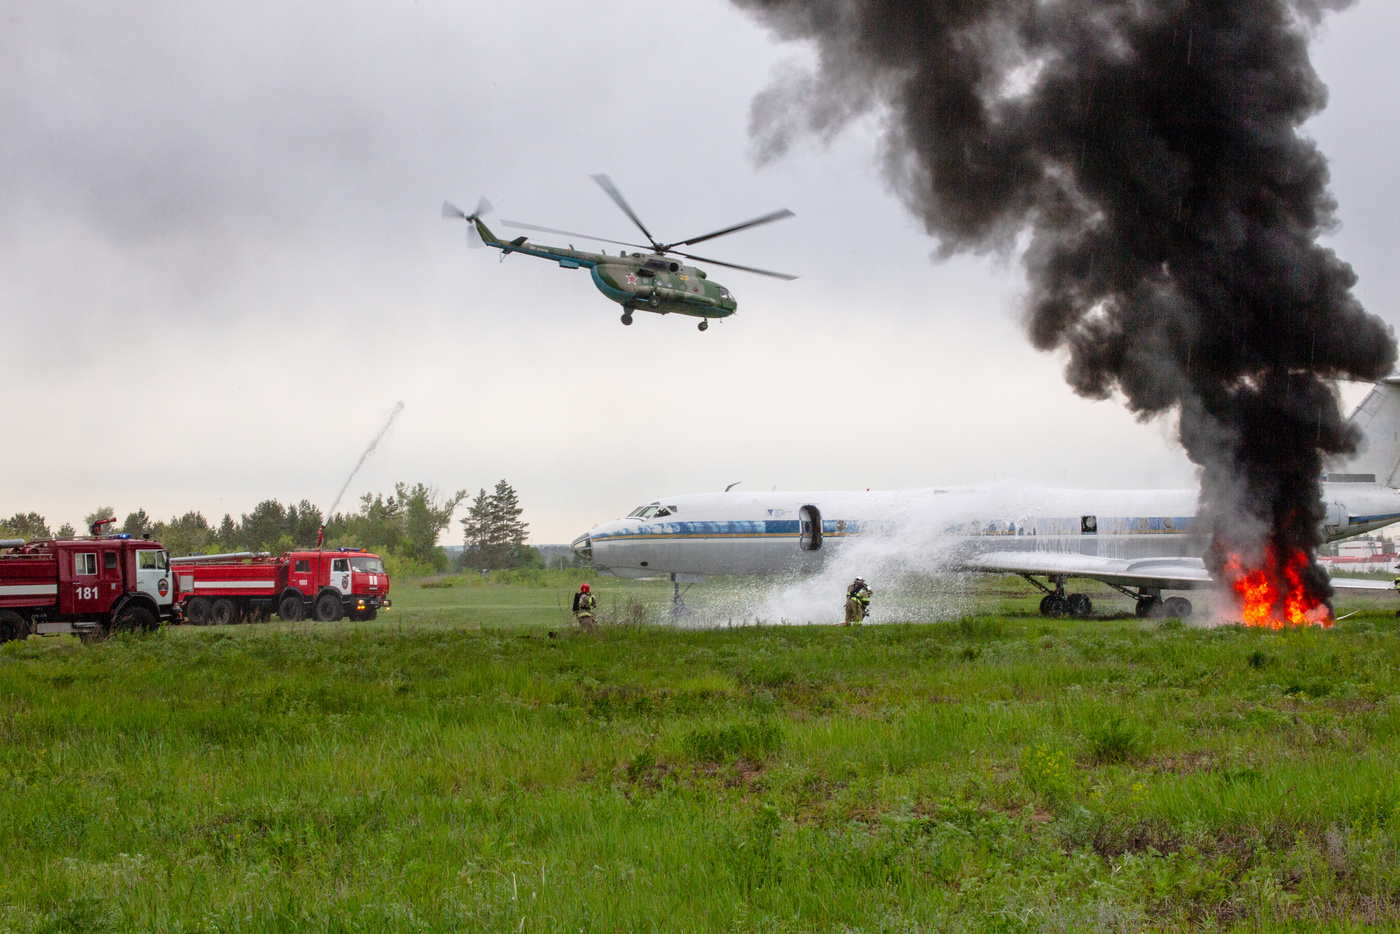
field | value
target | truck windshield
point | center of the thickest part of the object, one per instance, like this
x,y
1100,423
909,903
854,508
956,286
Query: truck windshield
x,y
150,560
367,565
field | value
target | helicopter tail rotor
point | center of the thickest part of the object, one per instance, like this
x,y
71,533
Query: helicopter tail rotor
x,y
450,211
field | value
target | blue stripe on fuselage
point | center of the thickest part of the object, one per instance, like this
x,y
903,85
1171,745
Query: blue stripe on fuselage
x,y
1107,526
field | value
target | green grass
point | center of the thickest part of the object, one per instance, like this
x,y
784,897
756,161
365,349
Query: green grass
x,y
451,766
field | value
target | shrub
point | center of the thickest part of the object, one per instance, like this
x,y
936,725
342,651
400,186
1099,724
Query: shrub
x,y
630,612
1047,772
1114,740
737,741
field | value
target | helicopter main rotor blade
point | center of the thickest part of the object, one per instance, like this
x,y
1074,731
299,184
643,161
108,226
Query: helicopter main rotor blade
x,y
720,262
765,219
606,184
569,233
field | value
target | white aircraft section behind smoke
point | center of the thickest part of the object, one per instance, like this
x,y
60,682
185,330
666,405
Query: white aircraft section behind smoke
x,y
1141,542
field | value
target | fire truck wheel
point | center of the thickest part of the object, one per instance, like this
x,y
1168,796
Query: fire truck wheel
x,y
12,626
329,608
291,609
197,611
223,612
135,619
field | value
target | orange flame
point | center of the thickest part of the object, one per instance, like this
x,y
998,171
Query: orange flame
x,y
1273,595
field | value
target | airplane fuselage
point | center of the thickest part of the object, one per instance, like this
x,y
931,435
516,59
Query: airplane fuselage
x,y
776,533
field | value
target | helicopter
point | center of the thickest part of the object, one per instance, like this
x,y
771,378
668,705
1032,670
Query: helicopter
x,y
650,281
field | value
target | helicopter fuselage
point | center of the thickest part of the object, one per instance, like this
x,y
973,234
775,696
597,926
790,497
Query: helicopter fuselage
x,y
636,281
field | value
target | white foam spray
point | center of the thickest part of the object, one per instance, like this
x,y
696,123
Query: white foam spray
x,y
909,558
398,407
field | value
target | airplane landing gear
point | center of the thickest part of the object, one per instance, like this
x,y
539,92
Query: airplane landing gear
x,y
678,607
704,325
1057,603
1177,608
627,317
1152,606
1060,604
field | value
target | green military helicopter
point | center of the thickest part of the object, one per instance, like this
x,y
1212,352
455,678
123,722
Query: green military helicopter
x,y
650,281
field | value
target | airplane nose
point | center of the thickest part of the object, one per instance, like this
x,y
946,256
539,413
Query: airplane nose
x,y
583,548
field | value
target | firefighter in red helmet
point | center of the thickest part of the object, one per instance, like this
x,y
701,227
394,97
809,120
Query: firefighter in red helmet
x,y
584,604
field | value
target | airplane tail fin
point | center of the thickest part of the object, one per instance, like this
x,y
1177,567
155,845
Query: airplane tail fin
x,y
1378,459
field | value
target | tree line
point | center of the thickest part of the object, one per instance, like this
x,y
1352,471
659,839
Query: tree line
x,y
402,527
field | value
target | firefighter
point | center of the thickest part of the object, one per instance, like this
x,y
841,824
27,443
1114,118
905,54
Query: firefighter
x,y
584,604
857,602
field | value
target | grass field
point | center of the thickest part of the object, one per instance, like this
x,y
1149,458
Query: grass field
x,y
451,766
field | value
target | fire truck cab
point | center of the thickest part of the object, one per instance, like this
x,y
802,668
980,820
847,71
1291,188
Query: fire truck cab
x,y
84,585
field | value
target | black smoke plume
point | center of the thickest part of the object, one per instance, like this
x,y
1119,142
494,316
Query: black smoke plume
x,y
1151,149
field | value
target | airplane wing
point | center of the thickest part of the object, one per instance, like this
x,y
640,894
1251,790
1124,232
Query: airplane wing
x,y
1361,585
1159,573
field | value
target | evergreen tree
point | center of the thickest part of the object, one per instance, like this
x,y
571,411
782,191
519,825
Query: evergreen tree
x,y
494,534
66,530
137,524
303,522
506,511
476,528
227,536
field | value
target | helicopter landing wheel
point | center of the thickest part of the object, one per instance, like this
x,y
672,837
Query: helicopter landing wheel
x,y
704,325
627,317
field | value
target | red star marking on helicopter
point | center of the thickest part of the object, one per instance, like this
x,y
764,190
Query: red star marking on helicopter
x,y
631,280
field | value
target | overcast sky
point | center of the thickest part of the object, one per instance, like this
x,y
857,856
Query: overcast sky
x,y
222,263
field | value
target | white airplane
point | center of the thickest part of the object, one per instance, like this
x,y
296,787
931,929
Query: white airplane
x,y
1139,542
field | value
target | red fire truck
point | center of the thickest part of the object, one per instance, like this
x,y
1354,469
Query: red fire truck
x,y
83,585
325,585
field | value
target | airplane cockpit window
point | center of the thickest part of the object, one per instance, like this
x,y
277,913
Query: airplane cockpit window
x,y
644,512
663,511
